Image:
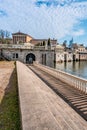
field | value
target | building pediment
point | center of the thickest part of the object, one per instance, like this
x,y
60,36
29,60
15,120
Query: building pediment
x,y
20,33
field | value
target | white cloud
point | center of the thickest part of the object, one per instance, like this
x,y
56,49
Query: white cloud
x,y
80,32
43,22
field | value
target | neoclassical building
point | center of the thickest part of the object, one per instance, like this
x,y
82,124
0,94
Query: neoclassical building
x,y
20,37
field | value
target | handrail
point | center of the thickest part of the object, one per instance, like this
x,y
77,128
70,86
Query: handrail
x,y
75,81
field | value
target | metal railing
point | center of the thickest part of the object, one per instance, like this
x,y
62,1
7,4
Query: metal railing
x,y
75,81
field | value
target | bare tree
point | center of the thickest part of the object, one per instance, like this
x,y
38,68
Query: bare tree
x,y
2,34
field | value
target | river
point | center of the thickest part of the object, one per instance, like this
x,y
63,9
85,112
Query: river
x,y
75,68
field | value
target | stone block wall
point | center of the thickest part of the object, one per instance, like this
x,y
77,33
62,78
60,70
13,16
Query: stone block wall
x,y
20,55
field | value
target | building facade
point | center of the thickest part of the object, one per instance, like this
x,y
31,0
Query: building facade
x,y
42,55
41,41
25,48
24,55
20,37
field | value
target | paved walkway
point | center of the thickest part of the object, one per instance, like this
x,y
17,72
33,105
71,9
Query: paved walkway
x,y
75,98
41,108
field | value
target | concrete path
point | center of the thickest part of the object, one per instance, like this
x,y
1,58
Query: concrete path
x,y
71,95
41,108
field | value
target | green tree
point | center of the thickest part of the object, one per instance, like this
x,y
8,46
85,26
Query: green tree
x,y
49,42
38,44
44,43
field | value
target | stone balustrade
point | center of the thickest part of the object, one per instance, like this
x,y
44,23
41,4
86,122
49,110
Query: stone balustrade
x,y
77,82
39,47
14,46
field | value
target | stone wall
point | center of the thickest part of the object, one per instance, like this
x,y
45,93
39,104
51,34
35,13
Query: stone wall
x,y
20,55
64,56
83,56
46,57
0,53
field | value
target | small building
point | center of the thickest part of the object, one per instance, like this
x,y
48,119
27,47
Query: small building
x,y
78,47
82,52
59,53
27,54
81,48
20,37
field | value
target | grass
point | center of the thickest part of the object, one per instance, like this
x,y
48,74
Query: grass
x,y
9,107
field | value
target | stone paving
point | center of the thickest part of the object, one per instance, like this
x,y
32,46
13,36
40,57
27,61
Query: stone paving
x,y
41,108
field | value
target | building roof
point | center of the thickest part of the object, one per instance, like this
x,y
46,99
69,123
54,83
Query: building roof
x,y
59,46
20,33
76,46
81,46
43,40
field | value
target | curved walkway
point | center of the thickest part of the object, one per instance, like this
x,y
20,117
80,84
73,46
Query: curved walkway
x,y
41,108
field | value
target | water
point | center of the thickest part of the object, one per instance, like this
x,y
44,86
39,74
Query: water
x,y
75,68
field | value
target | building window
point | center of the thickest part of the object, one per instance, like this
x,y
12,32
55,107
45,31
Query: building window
x,y
13,55
16,55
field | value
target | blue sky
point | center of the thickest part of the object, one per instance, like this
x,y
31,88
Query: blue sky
x,y
59,19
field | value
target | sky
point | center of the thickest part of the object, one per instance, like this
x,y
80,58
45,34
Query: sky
x,y
58,19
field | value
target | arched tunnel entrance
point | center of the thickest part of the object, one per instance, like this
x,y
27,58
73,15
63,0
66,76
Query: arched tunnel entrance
x,y
30,58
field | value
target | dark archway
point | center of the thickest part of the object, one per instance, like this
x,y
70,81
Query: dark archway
x,y
30,58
